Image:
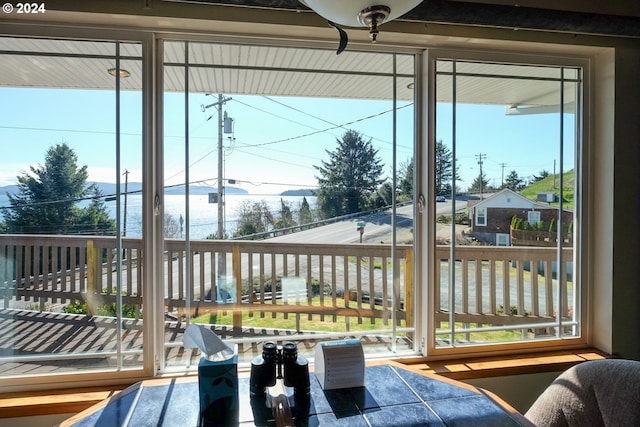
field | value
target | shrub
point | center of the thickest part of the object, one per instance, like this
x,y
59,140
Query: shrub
x,y
462,218
516,223
110,310
443,219
75,308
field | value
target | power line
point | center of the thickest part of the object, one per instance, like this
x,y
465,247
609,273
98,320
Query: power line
x,y
298,110
316,131
69,130
273,114
322,131
272,159
284,184
106,197
335,124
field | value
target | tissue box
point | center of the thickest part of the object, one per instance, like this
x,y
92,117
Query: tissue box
x,y
339,364
218,388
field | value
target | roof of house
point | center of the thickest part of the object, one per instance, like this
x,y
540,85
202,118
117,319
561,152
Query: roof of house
x,y
509,199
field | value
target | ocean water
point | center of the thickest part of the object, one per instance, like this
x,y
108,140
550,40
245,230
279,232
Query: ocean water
x,y
203,216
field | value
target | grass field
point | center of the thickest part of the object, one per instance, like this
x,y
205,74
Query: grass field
x,y
278,320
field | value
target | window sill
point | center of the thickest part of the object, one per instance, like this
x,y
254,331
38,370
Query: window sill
x,y
78,399
495,366
49,402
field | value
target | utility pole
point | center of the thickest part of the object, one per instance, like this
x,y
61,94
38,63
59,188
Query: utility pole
x,y
220,169
480,158
502,165
224,126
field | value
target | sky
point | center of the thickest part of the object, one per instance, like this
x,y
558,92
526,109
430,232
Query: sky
x,y
276,141
527,144
274,146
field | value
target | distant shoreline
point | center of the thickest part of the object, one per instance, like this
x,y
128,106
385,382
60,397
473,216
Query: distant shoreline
x,y
109,189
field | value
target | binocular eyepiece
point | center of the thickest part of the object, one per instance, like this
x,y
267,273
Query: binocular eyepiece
x,y
279,363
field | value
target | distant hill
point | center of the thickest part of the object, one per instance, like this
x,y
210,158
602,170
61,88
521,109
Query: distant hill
x,y
550,184
306,192
11,189
136,187
107,188
203,189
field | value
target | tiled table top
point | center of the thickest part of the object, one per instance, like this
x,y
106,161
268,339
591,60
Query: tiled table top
x,y
392,396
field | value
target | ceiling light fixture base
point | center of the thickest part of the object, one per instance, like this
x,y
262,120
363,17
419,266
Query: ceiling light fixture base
x,y
372,17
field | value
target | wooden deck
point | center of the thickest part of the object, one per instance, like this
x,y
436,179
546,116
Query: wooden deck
x,y
35,342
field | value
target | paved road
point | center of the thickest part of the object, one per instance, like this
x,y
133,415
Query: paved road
x,y
377,228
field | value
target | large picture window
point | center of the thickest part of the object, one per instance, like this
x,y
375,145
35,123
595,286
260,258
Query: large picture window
x,y
277,201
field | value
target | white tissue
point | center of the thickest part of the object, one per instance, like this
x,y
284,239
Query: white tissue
x,y
211,346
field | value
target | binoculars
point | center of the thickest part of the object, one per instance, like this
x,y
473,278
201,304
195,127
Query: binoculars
x,y
279,363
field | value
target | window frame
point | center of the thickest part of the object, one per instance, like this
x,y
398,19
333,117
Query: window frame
x,y
425,182
152,110
161,366
147,368
533,217
481,217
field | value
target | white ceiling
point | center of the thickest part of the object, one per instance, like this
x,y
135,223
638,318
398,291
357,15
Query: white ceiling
x,y
276,71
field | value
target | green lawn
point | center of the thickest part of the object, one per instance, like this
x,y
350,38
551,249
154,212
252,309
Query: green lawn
x,y
278,321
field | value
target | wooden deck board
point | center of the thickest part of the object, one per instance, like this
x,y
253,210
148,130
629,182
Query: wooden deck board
x,y
30,333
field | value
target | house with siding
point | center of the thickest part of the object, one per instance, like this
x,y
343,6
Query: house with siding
x,y
490,218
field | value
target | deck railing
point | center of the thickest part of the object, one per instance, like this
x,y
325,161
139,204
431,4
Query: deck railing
x,y
339,280
493,285
505,286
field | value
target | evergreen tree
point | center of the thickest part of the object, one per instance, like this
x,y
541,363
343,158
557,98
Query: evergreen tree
x,y
94,219
305,216
382,197
349,178
285,217
543,174
480,184
48,197
405,190
513,182
443,173
443,169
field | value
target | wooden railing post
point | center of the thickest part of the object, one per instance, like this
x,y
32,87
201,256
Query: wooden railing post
x,y
5,276
236,257
408,289
92,276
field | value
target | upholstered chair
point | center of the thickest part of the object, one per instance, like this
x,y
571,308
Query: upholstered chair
x,y
595,393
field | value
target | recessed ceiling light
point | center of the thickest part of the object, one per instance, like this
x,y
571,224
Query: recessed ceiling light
x,y
123,73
